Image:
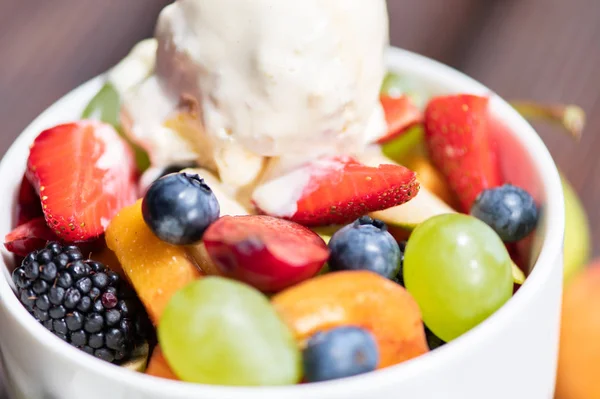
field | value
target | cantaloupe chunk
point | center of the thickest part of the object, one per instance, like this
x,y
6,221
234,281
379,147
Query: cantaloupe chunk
x,y
356,298
158,366
155,268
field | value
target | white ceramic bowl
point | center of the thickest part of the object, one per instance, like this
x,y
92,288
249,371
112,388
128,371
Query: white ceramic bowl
x,y
510,355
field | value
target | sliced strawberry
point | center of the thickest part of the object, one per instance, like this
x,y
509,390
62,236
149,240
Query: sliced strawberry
x,y
335,191
400,114
459,143
29,237
265,252
29,206
85,173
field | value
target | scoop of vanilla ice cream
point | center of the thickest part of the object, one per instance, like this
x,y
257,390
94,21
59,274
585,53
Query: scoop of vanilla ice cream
x,y
278,77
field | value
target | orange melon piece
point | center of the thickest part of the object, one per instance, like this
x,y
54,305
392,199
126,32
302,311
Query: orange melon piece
x,y
356,298
579,355
158,366
155,268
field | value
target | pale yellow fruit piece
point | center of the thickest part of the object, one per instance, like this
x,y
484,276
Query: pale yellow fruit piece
x,y
155,268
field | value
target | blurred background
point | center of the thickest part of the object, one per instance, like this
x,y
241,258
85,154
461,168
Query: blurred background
x,y
541,50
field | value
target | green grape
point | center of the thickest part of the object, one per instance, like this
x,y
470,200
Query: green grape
x,y
222,332
459,272
105,106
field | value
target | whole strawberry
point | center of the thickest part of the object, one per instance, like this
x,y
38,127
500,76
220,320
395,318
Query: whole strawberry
x,y
459,143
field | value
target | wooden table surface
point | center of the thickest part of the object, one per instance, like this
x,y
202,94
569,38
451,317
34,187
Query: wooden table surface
x,y
545,50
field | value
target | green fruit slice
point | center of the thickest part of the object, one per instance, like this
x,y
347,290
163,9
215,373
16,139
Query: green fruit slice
x,y
105,106
423,206
405,146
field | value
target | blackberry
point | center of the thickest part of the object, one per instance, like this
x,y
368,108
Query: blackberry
x,y
82,302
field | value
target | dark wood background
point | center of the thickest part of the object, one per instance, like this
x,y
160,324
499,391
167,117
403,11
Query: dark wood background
x,y
545,50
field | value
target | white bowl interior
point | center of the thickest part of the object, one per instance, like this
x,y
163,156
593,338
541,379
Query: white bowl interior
x,y
525,162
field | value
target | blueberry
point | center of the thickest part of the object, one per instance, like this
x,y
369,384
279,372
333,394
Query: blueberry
x,y
178,208
338,353
153,174
509,210
365,245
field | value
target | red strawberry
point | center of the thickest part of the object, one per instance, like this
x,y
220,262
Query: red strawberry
x,y
459,143
29,206
335,191
29,237
85,173
400,114
265,252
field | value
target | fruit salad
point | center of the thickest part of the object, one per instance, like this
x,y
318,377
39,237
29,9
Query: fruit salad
x,y
244,238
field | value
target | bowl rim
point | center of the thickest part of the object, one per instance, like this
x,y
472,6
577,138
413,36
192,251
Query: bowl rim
x,y
409,63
